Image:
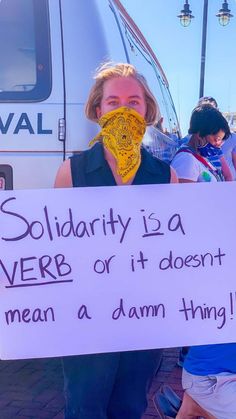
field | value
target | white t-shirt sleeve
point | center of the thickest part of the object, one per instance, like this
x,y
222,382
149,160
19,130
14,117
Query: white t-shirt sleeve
x,y
186,166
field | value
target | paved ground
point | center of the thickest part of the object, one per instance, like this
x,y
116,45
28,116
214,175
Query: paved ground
x,y
169,373
33,389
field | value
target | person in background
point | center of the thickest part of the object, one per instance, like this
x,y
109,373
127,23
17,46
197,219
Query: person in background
x,y
205,100
208,128
228,147
208,100
114,385
211,150
229,151
209,371
209,378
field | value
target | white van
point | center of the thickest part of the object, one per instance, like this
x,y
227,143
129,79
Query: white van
x,y
49,50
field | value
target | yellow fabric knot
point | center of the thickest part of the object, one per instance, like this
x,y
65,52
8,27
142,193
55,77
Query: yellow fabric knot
x,y
122,133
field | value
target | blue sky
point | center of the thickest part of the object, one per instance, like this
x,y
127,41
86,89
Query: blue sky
x,y
179,51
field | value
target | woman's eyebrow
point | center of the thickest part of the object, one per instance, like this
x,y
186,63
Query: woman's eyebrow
x,y
134,97
116,97
111,96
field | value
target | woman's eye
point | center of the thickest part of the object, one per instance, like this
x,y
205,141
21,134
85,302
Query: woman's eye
x,y
112,103
133,102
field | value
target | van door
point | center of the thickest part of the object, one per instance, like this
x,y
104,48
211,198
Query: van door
x,y
31,92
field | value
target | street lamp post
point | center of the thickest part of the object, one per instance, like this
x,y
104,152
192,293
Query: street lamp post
x,y
186,16
203,50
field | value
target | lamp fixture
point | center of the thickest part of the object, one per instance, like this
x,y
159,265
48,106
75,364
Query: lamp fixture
x,y
224,14
185,15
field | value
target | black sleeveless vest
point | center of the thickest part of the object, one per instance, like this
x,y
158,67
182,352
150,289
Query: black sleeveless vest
x,y
90,168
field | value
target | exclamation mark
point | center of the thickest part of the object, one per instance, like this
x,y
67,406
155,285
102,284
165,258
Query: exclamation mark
x,y
232,303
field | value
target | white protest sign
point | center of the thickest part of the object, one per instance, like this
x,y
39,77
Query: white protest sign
x,y
90,270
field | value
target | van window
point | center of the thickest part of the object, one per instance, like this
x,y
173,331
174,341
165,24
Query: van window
x,y
25,69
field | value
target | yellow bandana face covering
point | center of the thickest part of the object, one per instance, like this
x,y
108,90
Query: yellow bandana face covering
x,y
122,133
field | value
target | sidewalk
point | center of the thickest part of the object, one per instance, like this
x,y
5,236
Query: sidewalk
x,y
34,389
169,373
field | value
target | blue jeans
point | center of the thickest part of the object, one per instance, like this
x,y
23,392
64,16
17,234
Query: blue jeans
x,y
109,386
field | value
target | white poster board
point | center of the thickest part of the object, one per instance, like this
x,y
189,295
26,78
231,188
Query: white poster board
x,y
90,270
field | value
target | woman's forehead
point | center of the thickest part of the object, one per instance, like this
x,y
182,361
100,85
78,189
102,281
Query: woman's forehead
x,y
120,85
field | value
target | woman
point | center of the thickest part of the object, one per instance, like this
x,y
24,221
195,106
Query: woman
x,y
201,159
209,371
229,150
114,385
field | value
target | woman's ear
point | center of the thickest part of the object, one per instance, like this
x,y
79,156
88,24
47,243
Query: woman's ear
x,y
98,112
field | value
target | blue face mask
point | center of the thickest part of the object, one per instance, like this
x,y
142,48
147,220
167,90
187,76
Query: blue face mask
x,y
208,150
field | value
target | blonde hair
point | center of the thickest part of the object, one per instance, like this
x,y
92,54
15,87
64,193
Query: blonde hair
x,y
108,71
